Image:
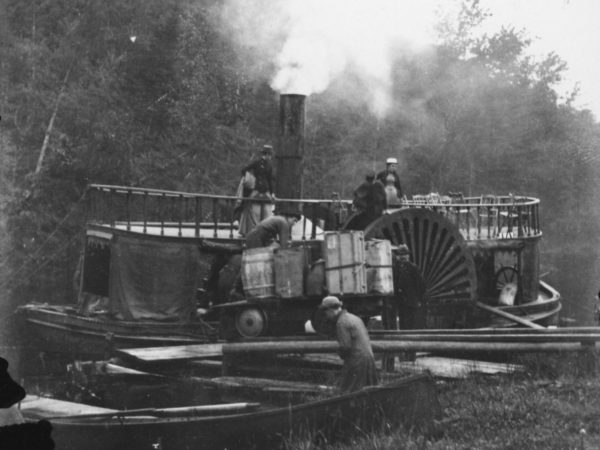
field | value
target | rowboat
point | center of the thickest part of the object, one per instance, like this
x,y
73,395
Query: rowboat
x,y
410,403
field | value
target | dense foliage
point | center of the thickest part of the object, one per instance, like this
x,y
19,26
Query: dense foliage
x,y
150,93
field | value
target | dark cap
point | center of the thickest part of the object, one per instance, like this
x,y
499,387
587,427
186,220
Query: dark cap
x,y
403,250
330,302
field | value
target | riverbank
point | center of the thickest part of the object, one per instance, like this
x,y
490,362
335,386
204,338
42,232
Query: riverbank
x,y
553,405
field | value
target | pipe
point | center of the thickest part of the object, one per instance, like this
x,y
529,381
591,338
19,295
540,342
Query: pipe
x,y
555,337
389,346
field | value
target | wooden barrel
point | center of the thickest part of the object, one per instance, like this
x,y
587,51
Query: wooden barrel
x,y
257,272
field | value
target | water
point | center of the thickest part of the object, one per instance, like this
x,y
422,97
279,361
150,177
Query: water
x,y
575,276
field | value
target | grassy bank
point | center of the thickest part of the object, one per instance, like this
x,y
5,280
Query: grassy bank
x,y
553,405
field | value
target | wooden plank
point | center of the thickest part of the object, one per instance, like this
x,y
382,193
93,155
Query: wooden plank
x,y
268,384
504,314
457,368
36,407
172,353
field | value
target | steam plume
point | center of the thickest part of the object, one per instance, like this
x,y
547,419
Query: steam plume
x,y
310,43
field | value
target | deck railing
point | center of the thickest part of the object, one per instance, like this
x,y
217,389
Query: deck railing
x,y
187,214
486,217
202,215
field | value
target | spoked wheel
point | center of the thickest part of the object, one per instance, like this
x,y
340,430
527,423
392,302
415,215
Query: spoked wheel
x,y
506,275
436,247
251,322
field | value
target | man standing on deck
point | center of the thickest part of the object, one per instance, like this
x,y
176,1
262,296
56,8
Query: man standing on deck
x,y
355,347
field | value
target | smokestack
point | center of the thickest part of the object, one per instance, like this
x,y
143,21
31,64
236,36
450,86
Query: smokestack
x,y
291,146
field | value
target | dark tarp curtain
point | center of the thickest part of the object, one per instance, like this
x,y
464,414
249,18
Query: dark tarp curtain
x,y
153,279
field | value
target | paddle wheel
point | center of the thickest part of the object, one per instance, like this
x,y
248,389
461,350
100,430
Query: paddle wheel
x,y
441,254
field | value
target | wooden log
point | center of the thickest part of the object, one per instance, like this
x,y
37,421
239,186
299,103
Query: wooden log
x,y
546,337
504,314
234,350
495,331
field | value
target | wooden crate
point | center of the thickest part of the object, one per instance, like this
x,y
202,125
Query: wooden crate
x,y
344,254
378,260
289,266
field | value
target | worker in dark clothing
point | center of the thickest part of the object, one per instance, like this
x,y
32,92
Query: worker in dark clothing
x,y
261,189
273,229
369,201
354,346
410,291
391,182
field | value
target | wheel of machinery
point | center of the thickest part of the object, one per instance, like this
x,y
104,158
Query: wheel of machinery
x,y
506,275
251,322
436,247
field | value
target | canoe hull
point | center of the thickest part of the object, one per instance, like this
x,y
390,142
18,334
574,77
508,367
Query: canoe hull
x,y
411,403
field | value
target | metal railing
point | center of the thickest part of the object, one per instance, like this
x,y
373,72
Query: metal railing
x,y
201,215
164,212
486,217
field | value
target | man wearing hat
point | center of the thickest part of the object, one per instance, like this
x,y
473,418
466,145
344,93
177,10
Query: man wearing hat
x,y
390,179
274,231
410,291
261,172
369,202
355,347
275,228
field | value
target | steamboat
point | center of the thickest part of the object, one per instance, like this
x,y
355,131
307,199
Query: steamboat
x,y
147,276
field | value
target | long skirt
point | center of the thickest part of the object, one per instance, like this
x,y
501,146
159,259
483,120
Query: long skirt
x,y
254,212
391,195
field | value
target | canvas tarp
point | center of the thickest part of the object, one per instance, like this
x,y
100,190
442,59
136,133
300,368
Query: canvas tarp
x,y
153,279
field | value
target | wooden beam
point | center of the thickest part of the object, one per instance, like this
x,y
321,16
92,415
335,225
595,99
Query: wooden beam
x,y
504,314
172,353
268,384
390,346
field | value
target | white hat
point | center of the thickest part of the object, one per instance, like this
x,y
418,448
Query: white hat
x,y
391,161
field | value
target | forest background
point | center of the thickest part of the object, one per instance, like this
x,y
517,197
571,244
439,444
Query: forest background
x,y
153,93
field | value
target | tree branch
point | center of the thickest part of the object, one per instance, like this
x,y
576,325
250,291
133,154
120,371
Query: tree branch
x,y
40,160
